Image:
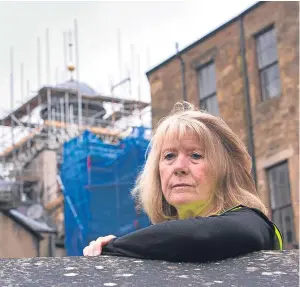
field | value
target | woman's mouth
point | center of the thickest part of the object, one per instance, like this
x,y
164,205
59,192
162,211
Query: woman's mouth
x,y
181,185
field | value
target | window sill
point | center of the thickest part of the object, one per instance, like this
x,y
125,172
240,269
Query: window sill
x,y
266,105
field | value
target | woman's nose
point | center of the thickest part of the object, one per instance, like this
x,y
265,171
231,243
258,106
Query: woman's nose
x,y
181,166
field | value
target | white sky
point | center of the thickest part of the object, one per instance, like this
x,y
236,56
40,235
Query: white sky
x,y
152,26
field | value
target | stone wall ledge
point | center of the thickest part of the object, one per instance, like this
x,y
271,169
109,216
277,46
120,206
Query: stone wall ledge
x,y
265,268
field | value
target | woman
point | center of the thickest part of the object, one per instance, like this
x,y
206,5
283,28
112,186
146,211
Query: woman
x,y
196,187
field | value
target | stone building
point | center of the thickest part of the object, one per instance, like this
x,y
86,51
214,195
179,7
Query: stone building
x,y
22,236
247,72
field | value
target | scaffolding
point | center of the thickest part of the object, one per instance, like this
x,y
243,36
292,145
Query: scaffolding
x,y
55,114
46,122
52,116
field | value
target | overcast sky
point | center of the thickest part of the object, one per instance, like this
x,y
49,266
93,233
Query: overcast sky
x,y
152,27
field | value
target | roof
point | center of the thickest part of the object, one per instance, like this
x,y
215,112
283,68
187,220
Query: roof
x,y
32,225
204,38
75,85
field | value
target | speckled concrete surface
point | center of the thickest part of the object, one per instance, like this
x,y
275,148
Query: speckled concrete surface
x,y
268,268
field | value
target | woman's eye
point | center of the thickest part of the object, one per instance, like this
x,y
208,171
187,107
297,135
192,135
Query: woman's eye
x,y
169,156
196,155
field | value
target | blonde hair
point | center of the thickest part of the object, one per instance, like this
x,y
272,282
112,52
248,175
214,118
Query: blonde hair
x,y
229,162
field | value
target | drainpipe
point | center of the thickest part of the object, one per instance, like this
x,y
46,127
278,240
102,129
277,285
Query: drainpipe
x,y
182,67
251,148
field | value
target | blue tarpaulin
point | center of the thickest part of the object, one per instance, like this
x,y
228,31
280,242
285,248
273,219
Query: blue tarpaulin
x,y
97,179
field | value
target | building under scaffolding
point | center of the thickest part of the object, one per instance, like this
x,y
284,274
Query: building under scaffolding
x,y
97,181
33,136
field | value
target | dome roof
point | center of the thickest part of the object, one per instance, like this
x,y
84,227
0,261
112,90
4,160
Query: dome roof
x,y
73,85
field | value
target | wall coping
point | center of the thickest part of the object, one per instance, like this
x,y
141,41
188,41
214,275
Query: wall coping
x,y
265,268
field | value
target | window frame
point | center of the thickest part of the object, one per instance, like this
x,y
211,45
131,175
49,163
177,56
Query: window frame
x,y
280,207
211,95
263,88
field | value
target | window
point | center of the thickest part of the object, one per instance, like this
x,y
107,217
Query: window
x,y
282,211
208,89
267,61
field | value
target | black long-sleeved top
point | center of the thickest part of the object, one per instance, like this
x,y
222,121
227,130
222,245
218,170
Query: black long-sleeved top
x,y
201,239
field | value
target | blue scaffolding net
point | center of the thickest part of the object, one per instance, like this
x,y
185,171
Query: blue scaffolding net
x,y
97,180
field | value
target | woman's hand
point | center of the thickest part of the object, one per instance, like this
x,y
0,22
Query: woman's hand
x,y
95,247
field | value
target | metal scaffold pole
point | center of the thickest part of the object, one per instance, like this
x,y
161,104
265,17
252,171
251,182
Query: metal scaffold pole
x,y
12,100
79,95
76,49
22,82
38,63
65,50
48,75
139,83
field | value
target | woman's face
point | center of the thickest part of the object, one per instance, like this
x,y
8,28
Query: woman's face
x,y
184,172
